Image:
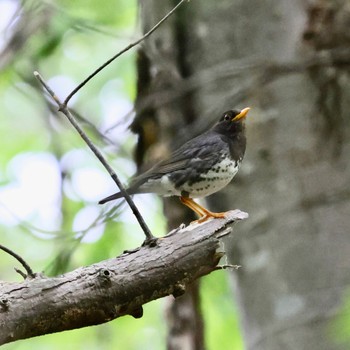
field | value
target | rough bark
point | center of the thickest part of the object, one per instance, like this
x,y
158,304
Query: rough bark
x,y
185,321
296,174
112,288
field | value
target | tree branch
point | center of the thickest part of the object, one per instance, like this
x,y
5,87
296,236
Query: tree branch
x,y
30,272
130,46
150,239
112,288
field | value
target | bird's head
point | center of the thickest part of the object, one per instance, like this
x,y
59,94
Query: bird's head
x,y
232,121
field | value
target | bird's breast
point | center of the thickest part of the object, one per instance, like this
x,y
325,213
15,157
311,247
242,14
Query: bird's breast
x,y
216,178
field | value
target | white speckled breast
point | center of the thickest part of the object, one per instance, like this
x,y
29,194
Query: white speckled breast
x,y
214,180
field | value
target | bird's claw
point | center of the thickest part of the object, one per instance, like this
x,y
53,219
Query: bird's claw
x,y
208,216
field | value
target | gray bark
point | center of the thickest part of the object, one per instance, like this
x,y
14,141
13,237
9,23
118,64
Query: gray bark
x,y
185,320
296,174
112,288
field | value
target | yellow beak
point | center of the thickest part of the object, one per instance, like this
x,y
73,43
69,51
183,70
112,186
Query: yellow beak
x,y
241,115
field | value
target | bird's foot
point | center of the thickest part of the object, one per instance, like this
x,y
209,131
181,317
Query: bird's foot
x,y
209,215
203,213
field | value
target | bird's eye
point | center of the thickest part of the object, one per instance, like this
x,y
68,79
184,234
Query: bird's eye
x,y
227,117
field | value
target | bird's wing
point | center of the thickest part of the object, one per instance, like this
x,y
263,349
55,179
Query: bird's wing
x,y
158,170
199,149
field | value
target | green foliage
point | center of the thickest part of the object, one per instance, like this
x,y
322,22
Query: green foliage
x,y
221,323
120,14
339,327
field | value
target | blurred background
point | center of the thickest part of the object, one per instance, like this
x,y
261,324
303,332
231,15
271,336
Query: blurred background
x,y
288,61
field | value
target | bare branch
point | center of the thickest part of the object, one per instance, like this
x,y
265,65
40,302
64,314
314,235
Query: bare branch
x,y
121,52
228,266
150,239
30,272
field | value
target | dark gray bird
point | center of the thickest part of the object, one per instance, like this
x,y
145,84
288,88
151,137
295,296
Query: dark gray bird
x,y
200,167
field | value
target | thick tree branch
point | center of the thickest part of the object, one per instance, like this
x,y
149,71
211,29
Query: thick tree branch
x,y
112,288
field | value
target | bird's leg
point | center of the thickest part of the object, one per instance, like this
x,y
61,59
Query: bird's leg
x,y
193,205
204,214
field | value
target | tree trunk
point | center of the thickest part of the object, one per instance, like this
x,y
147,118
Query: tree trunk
x,y
215,55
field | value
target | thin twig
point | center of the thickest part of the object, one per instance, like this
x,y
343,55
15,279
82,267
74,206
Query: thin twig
x,y
20,272
227,266
120,53
30,272
150,239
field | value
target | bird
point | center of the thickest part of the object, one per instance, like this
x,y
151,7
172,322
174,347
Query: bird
x,y
200,167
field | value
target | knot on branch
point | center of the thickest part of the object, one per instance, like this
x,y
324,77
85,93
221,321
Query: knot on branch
x,y
4,304
104,275
179,289
137,312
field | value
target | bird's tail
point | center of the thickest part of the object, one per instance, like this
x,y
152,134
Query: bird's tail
x,y
111,198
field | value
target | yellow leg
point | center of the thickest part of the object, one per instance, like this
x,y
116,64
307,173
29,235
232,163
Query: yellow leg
x,y
204,214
